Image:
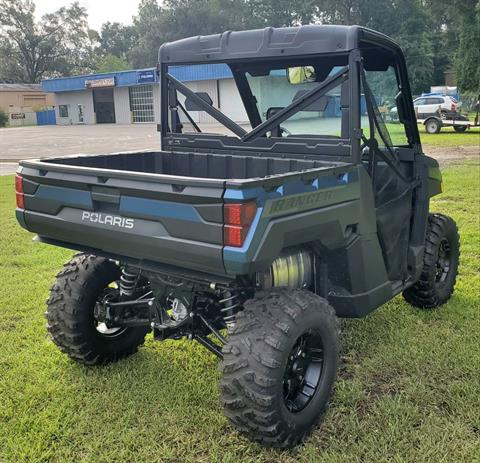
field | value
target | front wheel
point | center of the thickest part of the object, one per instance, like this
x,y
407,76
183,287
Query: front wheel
x,y
433,126
279,366
84,281
440,264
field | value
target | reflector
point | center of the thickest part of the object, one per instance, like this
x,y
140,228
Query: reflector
x,y
237,218
20,201
240,214
234,236
19,192
18,184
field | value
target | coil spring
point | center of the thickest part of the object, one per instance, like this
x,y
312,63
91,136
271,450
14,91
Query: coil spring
x,y
230,306
128,282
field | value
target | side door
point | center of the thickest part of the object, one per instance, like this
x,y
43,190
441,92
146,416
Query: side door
x,y
391,168
432,105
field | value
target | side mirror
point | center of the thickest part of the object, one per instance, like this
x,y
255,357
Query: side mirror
x,y
190,104
301,74
319,105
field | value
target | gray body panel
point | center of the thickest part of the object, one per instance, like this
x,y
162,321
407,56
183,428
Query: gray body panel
x,y
172,222
175,200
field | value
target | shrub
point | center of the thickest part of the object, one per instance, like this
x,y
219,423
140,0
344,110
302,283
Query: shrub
x,y
470,101
3,118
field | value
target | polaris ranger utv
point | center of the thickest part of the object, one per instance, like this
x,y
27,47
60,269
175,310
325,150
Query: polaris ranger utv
x,y
254,240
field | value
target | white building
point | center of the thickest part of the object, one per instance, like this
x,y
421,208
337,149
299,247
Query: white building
x,y
128,97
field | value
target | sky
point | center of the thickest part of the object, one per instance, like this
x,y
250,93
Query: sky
x,y
99,11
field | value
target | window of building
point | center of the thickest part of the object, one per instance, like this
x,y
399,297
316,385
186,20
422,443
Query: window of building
x,y
32,100
63,110
141,103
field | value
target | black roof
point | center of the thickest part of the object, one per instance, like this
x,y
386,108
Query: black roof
x,y
268,43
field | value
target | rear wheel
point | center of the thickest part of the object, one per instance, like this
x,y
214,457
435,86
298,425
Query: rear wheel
x,y
279,366
440,264
82,283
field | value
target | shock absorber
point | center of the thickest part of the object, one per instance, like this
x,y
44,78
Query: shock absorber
x,y
128,282
230,303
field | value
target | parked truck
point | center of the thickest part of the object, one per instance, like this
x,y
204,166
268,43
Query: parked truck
x,y
254,240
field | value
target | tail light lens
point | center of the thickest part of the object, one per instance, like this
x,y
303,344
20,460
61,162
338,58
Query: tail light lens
x,y
19,192
237,219
452,107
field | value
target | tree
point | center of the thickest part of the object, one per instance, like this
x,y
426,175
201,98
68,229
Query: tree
x,y
175,19
278,13
462,20
406,21
116,39
59,44
414,34
434,34
150,26
110,63
467,58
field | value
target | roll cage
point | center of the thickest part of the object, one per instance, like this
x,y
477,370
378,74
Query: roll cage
x,y
369,50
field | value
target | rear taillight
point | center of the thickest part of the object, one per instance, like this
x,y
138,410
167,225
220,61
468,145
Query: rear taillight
x,y
19,192
237,219
452,107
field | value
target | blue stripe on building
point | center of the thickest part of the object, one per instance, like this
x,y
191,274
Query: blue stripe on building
x,y
139,76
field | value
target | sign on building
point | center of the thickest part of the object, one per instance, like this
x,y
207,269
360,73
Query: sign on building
x,y
99,83
146,76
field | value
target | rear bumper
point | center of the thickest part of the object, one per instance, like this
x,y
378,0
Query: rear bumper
x,y
149,241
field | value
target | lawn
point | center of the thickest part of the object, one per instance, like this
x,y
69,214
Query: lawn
x,y
446,138
408,388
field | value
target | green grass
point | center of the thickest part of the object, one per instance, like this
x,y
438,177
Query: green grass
x,y
447,136
408,388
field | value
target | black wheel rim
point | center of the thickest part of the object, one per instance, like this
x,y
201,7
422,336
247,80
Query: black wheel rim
x,y
303,372
443,262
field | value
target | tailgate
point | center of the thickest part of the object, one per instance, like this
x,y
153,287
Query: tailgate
x,y
174,220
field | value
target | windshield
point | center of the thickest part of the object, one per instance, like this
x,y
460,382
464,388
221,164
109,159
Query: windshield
x,y
276,90
303,98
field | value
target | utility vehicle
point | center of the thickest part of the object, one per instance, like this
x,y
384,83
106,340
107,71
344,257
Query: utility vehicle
x,y
251,242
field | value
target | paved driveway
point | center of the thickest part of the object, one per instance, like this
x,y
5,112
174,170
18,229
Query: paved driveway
x,y
50,141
